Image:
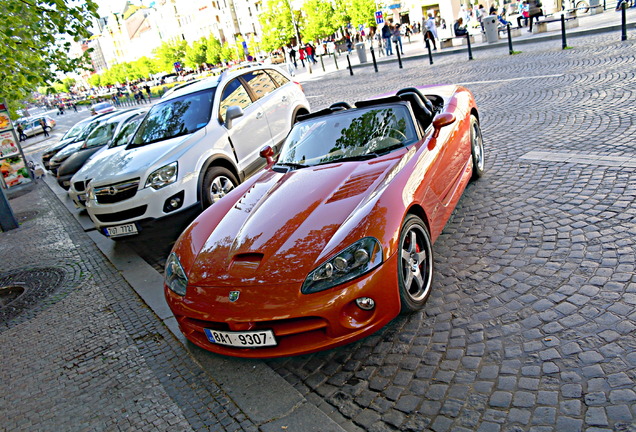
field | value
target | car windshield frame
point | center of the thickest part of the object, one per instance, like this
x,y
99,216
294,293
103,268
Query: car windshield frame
x,y
167,119
353,134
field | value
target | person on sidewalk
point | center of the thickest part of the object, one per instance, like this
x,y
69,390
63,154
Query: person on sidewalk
x,y
397,37
386,36
430,31
459,28
44,127
523,14
534,12
21,135
292,56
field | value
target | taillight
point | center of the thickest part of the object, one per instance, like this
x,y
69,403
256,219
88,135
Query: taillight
x,y
300,86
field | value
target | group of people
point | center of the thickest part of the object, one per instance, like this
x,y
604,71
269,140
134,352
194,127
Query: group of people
x,y
304,52
22,136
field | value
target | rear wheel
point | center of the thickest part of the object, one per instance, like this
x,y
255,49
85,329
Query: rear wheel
x,y
476,147
415,264
217,183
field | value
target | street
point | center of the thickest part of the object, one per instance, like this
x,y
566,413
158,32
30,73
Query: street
x,y
530,325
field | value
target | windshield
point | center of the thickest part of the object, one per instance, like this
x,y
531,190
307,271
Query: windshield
x,y
100,135
124,134
179,116
74,130
349,134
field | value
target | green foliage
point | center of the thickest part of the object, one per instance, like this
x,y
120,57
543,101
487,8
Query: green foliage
x,y
196,54
170,52
213,52
319,19
276,21
362,12
35,39
341,13
228,52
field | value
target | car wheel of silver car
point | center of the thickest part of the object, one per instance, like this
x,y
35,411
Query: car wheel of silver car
x,y
476,147
415,264
217,183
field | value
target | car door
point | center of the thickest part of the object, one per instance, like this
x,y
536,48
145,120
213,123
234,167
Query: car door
x,y
248,133
275,101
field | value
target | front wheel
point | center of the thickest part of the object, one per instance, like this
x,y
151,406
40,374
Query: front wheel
x,y
476,147
415,266
217,183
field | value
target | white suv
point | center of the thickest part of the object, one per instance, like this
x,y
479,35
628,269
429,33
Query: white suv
x,y
194,146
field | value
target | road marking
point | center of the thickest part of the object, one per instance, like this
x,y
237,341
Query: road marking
x,y
513,79
580,158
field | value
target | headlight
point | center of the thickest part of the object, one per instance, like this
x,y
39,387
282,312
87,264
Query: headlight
x,y
175,277
163,176
359,258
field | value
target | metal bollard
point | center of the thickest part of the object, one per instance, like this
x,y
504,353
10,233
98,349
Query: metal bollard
x,y
350,68
510,50
335,60
430,53
322,63
375,64
470,50
564,43
624,22
397,50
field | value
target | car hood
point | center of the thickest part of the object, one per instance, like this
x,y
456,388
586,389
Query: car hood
x,y
285,224
67,151
140,161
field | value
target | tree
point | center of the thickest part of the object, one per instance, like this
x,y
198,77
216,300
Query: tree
x,y
276,22
362,12
213,51
35,38
228,52
196,54
168,53
319,19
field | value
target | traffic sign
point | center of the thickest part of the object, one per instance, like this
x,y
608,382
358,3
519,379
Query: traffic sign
x,y
379,19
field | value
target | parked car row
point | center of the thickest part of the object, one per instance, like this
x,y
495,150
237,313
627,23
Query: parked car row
x,y
130,168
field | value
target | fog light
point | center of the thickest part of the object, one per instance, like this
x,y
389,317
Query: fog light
x,y
174,202
365,303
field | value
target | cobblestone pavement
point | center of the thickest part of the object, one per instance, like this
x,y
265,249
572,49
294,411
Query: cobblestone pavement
x,y
88,355
530,325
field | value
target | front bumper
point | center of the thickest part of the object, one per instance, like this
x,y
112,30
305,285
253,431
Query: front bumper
x,y
301,323
146,204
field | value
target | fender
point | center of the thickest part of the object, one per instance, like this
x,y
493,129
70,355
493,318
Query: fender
x,y
219,160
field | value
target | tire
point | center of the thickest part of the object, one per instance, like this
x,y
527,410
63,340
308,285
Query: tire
x,y
415,264
476,147
217,183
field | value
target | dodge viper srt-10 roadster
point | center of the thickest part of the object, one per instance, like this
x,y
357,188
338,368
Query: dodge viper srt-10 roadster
x,y
334,238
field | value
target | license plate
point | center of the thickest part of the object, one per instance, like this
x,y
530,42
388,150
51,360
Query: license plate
x,y
121,230
247,339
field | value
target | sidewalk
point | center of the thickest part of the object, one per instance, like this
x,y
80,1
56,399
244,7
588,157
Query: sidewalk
x,y
608,21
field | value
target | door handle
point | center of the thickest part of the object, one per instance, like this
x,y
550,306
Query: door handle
x,y
259,114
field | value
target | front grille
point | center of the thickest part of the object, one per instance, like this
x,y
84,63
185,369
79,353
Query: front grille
x,y
282,328
116,192
122,215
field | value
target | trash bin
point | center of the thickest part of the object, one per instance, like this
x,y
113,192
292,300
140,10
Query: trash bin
x,y
361,51
490,27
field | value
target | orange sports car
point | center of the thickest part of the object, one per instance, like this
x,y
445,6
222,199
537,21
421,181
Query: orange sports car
x,y
335,237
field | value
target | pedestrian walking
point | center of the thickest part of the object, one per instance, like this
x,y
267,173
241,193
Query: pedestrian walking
x,y
534,12
147,88
21,135
430,33
386,36
301,55
44,127
292,56
397,37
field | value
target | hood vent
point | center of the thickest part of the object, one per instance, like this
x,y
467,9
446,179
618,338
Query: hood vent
x,y
246,263
354,186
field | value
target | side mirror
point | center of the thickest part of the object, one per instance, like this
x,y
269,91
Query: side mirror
x,y
268,153
440,121
233,112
